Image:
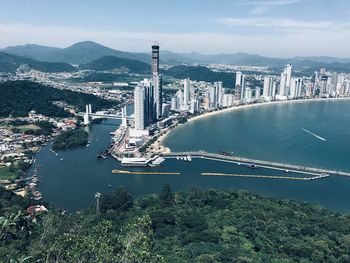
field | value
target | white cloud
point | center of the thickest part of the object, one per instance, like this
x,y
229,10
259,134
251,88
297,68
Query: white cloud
x,y
301,42
259,7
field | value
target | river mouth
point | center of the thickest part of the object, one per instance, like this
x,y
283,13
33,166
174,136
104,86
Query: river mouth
x,y
71,184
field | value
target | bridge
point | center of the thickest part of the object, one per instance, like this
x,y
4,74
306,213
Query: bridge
x,y
257,163
88,115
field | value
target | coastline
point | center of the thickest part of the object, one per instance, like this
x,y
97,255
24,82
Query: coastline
x,y
163,137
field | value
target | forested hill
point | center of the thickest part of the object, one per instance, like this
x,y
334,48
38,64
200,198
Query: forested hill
x,y
116,63
19,97
201,73
196,226
10,63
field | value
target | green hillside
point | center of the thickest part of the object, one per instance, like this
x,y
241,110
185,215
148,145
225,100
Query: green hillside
x,y
19,97
10,63
196,226
118,64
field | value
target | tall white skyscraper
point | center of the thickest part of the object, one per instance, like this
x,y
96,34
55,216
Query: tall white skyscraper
x,y
212,97
288,70
266,88
238,78
139,107
219,93
158,94
286,76
187,85
239,87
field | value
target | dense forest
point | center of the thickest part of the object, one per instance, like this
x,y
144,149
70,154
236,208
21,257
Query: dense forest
x,y
194,226
19,97
70,139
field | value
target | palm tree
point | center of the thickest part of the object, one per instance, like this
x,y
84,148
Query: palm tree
x,y
8,225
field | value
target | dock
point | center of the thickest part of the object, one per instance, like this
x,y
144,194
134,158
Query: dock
x,y
317,173
115,171
267,176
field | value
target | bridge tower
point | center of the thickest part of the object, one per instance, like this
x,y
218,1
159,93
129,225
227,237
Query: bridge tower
x,y
88,111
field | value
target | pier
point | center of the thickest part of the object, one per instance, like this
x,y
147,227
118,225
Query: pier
x,y
115,171
317,173
267,176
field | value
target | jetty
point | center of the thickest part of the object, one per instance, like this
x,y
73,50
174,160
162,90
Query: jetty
x,y
268,176
115,171
317,173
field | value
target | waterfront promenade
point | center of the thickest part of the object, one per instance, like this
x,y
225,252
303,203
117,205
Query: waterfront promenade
x,y
257,163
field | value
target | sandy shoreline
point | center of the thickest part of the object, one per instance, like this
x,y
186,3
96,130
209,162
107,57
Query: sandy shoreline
x,y
162,138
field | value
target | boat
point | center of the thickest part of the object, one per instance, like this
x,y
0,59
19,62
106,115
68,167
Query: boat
x,y
56,154
102,156
61,159
189,158
177,158
157,161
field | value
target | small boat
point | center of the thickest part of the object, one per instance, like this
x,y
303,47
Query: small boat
x,y
87,145
177,158
189,158
61,159
56,154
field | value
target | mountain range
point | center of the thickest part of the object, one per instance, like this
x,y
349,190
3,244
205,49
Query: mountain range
x,y
87,51
92,55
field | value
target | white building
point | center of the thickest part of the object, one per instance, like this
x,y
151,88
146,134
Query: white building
x,y
139,107
228,100
257,93
266,88
187,86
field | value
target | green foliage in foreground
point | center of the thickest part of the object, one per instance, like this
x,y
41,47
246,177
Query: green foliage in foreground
x,y
194,226
70,139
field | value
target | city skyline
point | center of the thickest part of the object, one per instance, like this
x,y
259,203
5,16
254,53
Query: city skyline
x,y
276,28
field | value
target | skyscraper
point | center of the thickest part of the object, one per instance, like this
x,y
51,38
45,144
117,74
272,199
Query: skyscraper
x,y
239,88
266,88
158,95
157,85
155,58
187,91
286,76
139,107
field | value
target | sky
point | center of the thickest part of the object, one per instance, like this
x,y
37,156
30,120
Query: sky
x,y
275,28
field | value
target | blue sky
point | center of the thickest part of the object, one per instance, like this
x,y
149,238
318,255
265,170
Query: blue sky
x,y
279,28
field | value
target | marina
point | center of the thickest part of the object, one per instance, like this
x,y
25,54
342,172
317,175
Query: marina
x,y
254,163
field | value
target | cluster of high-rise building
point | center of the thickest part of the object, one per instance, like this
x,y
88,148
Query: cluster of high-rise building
x,y
285,86
192,97
330,84
148,96
207,96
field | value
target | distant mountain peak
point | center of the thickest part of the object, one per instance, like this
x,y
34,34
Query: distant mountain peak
x,y
87,44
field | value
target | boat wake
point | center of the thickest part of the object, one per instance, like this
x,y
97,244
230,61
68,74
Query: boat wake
x,y
313,134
